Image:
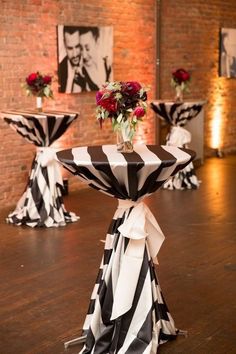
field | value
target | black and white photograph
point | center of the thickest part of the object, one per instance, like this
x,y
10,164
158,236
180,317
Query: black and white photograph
x,y
228,52
85,56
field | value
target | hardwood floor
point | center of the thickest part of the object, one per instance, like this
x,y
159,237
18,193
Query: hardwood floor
x,y
47,275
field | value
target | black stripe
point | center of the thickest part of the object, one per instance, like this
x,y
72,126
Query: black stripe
x,y
144,337
166,337
90,340
134,164
64,124
51,121
37,125
107,256
161,310
91,307
101,163
151,184
27,133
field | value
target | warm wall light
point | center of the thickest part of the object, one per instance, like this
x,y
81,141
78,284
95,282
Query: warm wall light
x,y
216,142
216,129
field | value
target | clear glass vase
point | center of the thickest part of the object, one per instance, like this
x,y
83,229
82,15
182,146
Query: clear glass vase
x,y
179,94
123,142
39,104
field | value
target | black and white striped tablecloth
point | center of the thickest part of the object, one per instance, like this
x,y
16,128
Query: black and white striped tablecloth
x,y
177,114
42,202
127,311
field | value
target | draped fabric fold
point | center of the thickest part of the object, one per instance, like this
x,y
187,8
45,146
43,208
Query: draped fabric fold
x,y
140,224
42,202
178,137
138,232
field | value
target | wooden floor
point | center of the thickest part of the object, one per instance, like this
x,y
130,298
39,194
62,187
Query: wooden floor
x,y
46,275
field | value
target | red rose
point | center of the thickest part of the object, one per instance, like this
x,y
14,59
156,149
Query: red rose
x,y
180,76
31,79
139,112
131,87
108,103
47,80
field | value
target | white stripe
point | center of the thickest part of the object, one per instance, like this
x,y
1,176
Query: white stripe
x,y
117,163
151,163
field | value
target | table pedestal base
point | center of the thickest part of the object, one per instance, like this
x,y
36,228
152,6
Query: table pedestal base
x,y
75,341
42,202
126,275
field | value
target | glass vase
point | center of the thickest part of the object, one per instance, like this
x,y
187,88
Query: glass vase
x,y
123,142
39,104
179,95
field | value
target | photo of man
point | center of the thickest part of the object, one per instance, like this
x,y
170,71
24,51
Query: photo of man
x,y
84,58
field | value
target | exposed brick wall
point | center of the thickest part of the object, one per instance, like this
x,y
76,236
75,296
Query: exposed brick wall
x,y
28,43
189,38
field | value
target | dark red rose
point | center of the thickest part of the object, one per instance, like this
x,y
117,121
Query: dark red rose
x,y
109,103
139,112
47,79
31,79
180,76
131,87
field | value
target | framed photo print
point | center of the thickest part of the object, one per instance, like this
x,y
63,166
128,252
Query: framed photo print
x,y
227,52
85,57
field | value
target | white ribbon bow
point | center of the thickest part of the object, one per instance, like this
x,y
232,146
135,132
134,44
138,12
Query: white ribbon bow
x,y
46,155
140,224
140,227
179,137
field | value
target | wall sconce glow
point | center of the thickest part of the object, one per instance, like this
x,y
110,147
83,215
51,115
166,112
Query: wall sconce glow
x,y
216,129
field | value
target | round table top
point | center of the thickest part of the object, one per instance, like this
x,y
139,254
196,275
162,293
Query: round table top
x,y
162,155
39,128
125,175
186,102
177,113
27,113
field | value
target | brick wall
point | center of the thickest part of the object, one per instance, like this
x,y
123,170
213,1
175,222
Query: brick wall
x,y
189,39
28,43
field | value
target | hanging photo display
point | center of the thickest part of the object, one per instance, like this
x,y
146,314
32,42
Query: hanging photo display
x,y
85,56
228,52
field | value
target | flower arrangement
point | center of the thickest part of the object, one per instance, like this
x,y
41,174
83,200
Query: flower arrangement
x,y
180,81
124,103
180,77
38,85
